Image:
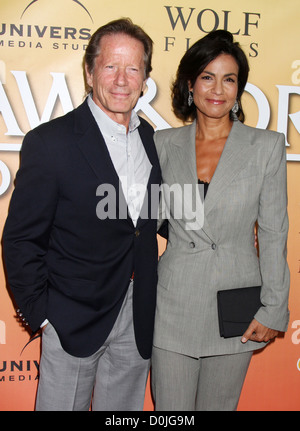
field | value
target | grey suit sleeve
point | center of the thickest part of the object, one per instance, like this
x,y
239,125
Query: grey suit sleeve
x,y
272,237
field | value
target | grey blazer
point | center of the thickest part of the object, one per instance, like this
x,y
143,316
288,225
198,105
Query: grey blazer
x,y
248,186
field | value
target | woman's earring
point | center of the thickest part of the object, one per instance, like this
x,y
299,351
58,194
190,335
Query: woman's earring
x,y
235,109
190,98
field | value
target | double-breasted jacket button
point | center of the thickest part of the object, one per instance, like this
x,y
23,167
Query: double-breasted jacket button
x,y
214,246
192,244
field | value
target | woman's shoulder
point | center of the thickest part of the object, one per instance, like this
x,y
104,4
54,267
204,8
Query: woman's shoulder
x,y
266,140
267,144
172,134
260,133
171,131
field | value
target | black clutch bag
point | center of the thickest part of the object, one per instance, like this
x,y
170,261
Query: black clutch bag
x,y
236,309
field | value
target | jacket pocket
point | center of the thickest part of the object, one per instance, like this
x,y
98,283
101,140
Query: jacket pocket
x,y
75,288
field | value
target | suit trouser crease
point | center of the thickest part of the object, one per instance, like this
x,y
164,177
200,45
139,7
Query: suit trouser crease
x,y
180,382
113,378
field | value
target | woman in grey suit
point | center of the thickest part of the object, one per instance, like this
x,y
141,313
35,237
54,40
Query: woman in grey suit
x,y
244,172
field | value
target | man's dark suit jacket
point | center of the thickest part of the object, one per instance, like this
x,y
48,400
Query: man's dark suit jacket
x,y
63,263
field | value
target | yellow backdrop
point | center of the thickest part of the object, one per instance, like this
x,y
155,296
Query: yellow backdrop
x,y
42,43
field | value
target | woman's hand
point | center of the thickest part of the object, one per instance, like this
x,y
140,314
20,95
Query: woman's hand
x,y
258,332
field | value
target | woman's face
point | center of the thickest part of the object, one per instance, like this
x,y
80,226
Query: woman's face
x,y
216,88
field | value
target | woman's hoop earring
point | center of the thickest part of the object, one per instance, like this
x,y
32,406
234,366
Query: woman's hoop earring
x,y
190,98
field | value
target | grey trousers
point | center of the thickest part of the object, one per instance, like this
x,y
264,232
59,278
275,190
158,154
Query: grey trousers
x,y
113,378
182,383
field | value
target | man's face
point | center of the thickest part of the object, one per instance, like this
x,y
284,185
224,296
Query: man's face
x,y
118,77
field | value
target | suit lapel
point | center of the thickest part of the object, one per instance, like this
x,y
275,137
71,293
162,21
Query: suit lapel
x,y
182,157
147,141
150,204
238,148
92,145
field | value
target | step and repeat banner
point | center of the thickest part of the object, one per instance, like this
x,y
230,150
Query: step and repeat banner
x,y
42,43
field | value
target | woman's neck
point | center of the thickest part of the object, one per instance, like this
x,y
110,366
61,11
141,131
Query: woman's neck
x,y
211,129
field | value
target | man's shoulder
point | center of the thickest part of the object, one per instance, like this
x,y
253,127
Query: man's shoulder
x,y
62,123
145,124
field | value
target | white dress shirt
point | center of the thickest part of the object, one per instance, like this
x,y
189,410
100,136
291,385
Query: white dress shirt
x,y
128,156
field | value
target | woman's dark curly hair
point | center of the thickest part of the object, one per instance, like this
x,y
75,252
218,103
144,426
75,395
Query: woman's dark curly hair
x,y
194,61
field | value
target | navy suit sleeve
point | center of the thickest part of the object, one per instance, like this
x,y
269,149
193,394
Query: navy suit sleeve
x,y
27,229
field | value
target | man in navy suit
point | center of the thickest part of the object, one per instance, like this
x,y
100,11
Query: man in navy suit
x,y
87,278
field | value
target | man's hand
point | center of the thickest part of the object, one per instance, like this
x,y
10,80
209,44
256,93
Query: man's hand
x,y
258,332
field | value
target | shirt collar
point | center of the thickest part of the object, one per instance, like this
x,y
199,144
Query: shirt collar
x,y
106,124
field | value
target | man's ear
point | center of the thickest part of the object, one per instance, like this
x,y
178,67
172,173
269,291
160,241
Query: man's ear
x,y
144,85
89,76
